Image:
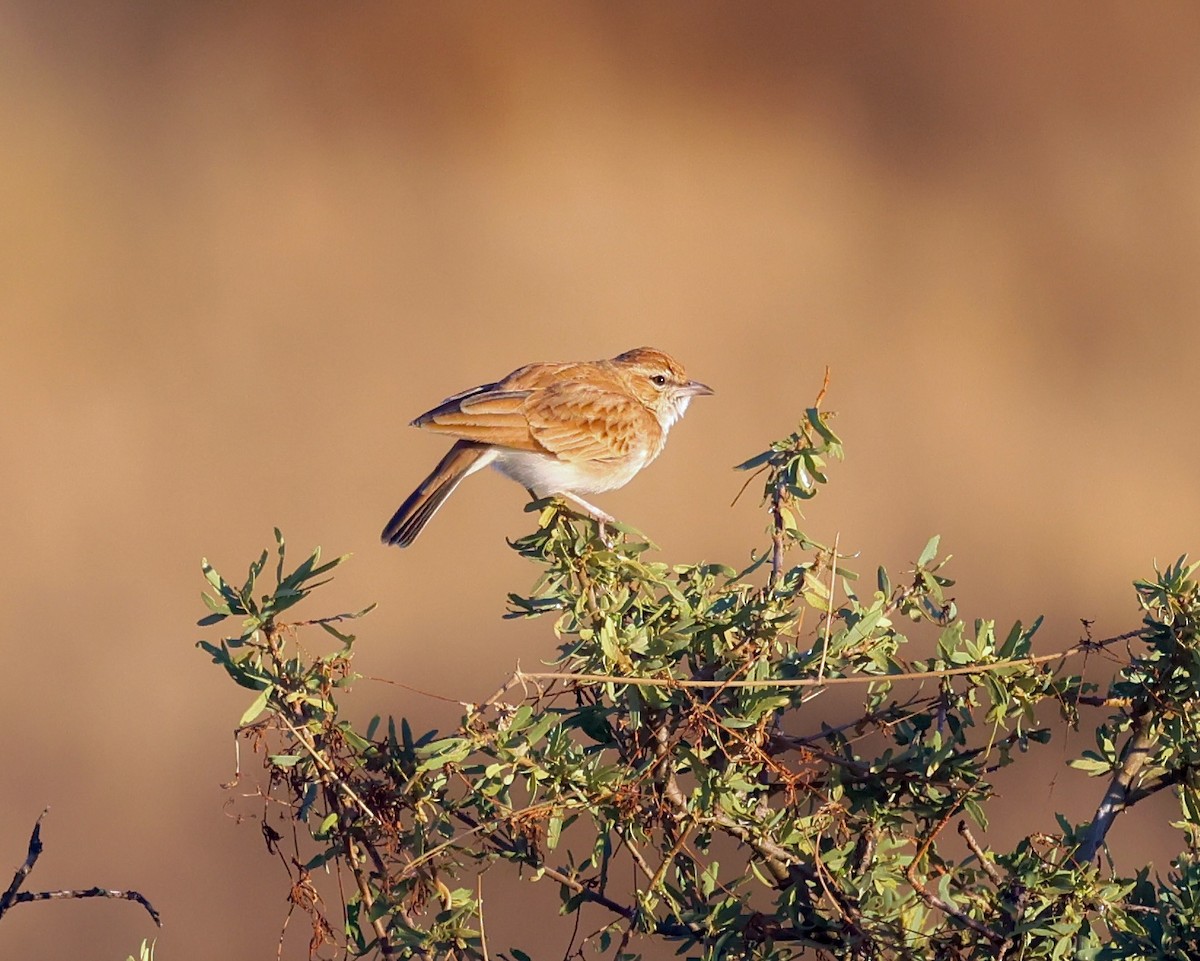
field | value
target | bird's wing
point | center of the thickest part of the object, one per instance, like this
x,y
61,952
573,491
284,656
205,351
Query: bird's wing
x,y
578,422
487,415
491,413
550,408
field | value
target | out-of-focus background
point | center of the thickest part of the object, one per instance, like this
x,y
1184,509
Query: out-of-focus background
x,y
243,245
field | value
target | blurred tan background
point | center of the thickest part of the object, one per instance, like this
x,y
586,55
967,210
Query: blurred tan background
x,y
242,246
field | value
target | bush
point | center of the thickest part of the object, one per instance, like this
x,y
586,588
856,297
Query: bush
x,y
675,734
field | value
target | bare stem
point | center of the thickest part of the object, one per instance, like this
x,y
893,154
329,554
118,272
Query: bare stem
x,y
35,850
933,900
14,894
778,533
368,899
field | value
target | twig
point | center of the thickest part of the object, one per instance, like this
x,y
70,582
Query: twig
x,y
14,894
932,899
368,899
482,926
514,679
778,532
287,919
832,587
843,904
1080,648
742,490
417,690
775,858
92,893
1019,901
988,867
668,928
317,756
35,850
640,861
824,388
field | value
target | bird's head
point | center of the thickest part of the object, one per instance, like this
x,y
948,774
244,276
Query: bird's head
x,y
659,382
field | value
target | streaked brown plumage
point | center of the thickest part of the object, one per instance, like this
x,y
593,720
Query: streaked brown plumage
x,y
564,429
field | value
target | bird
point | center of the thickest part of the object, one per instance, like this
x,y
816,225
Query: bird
x,y
558,429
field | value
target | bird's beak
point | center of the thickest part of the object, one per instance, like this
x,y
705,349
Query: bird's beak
x,y
693,388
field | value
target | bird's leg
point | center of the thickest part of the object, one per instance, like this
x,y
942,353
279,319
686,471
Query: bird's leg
x,y
600,517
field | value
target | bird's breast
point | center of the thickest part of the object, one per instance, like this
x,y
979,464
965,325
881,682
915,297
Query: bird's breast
x,y
546,474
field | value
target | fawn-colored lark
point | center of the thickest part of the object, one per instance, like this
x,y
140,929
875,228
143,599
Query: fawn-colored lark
x,y
556,429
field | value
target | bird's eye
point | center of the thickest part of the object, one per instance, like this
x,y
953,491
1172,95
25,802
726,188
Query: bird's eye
x,y
659,380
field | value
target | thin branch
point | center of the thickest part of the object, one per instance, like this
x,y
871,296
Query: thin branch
x,y
745,485
932,899
574,886
482,925
14,894
885,717
323,763
824,387
667,928
35,850
368,899
778,533
988,867
513,680
776,859
1083,647
832,587
417,690
1021,892
92,893
640,861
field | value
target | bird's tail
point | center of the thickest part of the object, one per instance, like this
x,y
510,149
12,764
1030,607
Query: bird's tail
x,y
464,458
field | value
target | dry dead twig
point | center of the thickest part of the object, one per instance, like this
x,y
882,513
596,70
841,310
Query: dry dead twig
x,y
14,894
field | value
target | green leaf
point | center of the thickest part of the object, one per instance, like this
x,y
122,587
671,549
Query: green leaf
x,y
211,575
930,551
883,583
256,568
258,706
214,605
756,461
450,750
541,727
346,639
975,810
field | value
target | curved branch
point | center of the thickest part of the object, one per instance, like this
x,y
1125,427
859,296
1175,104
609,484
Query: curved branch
x,y
14,894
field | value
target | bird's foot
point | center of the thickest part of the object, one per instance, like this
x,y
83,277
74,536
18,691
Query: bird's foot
x,y
590,510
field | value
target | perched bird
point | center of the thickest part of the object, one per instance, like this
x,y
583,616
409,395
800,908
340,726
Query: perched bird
x,y
556,429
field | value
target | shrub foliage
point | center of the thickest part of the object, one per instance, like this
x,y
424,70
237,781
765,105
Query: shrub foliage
x,y
674,742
